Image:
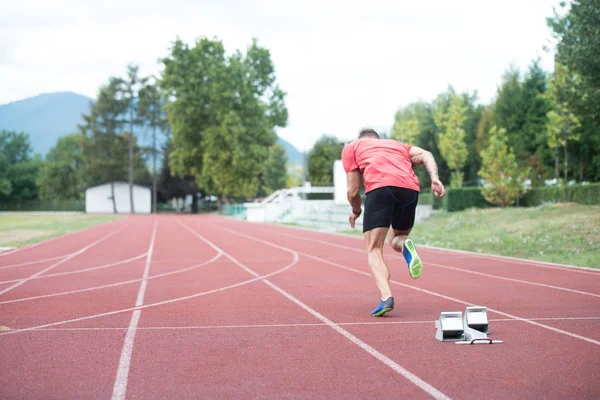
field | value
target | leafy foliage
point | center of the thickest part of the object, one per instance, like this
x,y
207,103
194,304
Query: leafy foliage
x,y
321,159
502,175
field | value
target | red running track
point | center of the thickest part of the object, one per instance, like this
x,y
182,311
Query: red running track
x,y
209,307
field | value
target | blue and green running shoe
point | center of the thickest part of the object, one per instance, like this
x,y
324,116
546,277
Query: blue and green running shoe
x,y
384,306
415,266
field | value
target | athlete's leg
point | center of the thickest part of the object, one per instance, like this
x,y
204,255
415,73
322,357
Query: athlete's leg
x,y
402,224
397,238
375,239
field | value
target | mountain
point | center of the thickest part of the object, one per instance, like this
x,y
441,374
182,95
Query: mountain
x,y
47,117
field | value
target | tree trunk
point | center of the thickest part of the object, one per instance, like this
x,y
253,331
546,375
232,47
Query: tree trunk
x,y
154,200
556,173
132,209
195,201
112,195
219,205
565,183
581,169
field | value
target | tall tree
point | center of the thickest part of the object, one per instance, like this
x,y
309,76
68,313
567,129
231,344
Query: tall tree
x,y
321,158
274,176
577,30
452,138
151,110
233,102
406,124
130,88
18,167
502,175
103,148
62,176
562,125
509,112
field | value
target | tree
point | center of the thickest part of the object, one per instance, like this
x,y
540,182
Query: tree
x,y
103,153
502,175
406,124
562,125
321,158
577,31
452,138
129,93
151,110
219,104
230,152
275,174
18,168
62,177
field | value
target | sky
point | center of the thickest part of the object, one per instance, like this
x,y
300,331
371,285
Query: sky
x,y
344,65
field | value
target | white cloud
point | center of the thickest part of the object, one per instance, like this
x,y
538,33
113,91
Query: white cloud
x,y
344,64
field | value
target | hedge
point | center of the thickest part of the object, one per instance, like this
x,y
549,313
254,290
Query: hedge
x,y
471,197
463,198
43,205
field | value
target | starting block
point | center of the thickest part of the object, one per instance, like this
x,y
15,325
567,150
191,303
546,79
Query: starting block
x,y
470,328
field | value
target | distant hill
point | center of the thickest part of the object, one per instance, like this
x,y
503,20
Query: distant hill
x,y
47,117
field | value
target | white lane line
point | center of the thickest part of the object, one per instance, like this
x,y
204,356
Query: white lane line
x,y
30,246
521,261
529,321
341,246
423,385
80,271
511,279
33,262
160,303
120,386
84,249
179,271
257,326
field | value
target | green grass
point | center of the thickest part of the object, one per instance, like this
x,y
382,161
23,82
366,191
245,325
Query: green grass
x,y
22,229
560,233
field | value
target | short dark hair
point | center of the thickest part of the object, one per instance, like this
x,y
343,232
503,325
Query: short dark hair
x,y
368,132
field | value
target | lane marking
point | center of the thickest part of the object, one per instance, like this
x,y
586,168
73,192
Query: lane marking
x,y
80,271
30,246
73,255
120,386
423,385
257,326
214,259
573,335
160,303
535,263
341,246
34,262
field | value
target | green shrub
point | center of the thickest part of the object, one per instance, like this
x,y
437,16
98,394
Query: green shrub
x,y
463,198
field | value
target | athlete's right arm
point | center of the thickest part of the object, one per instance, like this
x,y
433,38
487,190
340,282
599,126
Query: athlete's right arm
x,y
419,156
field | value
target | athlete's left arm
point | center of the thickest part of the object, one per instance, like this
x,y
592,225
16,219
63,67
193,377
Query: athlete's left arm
x,y
353,183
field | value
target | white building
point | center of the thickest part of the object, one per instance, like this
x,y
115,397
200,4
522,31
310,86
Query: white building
x,y
98,199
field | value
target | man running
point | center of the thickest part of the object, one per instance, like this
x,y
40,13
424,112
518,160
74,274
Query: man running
x,y
392,193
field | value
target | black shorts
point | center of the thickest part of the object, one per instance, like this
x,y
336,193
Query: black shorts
x,y
390,206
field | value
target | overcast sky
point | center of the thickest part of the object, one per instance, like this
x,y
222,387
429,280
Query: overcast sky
x,y
344,64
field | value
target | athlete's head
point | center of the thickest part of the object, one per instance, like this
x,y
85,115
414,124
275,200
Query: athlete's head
x,y
368,133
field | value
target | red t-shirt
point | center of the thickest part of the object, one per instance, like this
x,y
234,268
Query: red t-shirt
x,y
382,162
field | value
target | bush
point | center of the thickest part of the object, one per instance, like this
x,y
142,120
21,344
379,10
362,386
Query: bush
x,y
462,198
43,205
584,194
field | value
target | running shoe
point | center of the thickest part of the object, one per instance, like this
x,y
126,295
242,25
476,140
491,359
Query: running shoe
x,y
383,307
415,266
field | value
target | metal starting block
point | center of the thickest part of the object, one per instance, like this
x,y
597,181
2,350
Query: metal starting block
x,y
470,328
